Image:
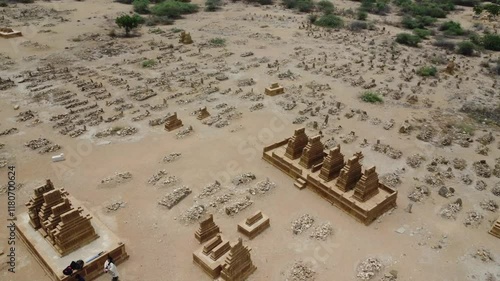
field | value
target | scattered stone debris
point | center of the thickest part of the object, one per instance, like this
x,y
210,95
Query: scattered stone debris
x,y
482,150
415,160
419,193
257,106
489,205
496,190
115,206
486,139
322,232
9,132
368,269
5,188
172,157
173,198
300,271
480,185
459,163
391,179
391,276
300,120
118,178
37,143
483,255
473,218
238,206
193,214
302,224
210,190
244,178
466,179
170,180
220,200
262,187
50,148
117,131
452,209
184,132
387,150
156,177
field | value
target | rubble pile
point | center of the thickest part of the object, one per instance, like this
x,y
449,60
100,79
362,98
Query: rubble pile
x,y
387,150
157,176
452,209
459,163
209,190
262,187
118,178
473,218
419,193
483,255
368,269
37,143
193,214
322,232
50,148
415,160
302,224
115,206
172,157
238,206
116,131
301,272
482,169
244,179
184,132
174,197
489,205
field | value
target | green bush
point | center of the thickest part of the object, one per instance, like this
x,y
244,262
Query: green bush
x,y
325,6
445,44
466,3
422,33
466,48
408,39
312,18
330,21
475,38
451,28
491,42
492,9
304,6
417,22
362,15
371,97
174,9
434,9
427,71
125,1
148,63
141,6
212,5
380,7
129,22
3,4
358,25
217,42
158,20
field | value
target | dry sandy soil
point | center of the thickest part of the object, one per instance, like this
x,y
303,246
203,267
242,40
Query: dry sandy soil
x,y
66,53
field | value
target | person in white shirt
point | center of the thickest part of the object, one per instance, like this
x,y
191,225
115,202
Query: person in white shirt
x,y
110,267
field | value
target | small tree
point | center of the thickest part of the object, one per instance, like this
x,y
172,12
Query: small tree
x,y
128,22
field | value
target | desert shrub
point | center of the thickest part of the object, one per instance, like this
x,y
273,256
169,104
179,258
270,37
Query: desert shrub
x,y
141,6
451,28
3,4
301,5
358,25
427,71
128,22
158,20
330,21
371,97
217,42
417,22
325,6
491,42
466,3
408,39
496,69
174,9
362,15
439,59
434,9
148,63
312,18
125,1
212,5
445,44
492,9
380,7
422,33
25,1
466,48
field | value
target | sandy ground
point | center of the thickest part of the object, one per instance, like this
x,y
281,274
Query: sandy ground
x,y
425,246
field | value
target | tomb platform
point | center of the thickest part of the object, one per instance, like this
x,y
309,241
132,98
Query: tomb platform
x,y
94,254
254,225
495,229
375,204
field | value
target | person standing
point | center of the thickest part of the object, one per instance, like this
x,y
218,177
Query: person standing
x,y
110,267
